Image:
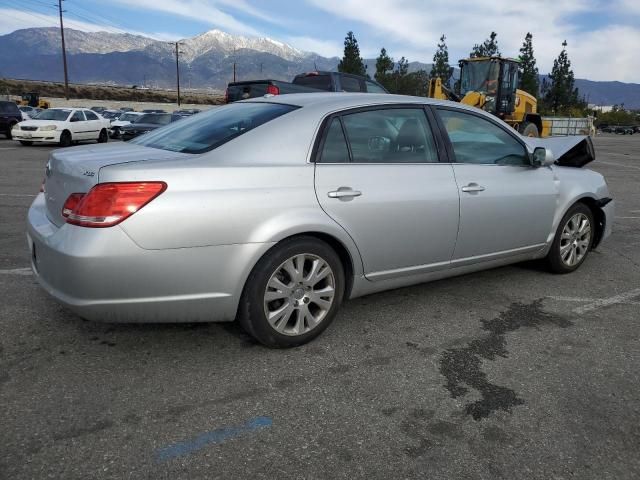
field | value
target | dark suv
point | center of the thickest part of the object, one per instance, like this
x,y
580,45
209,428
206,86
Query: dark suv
x,y
9,115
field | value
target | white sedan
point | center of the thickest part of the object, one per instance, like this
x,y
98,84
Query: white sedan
x,y
64,126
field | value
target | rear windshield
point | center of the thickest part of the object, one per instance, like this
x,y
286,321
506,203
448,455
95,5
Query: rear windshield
x,y
59,115
204,132
321,82
155,118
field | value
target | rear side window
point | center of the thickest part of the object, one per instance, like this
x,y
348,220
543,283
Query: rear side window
x,y
350,84
392,135
478,140
374,88
334,149
90,115
321,82
206,131
77,116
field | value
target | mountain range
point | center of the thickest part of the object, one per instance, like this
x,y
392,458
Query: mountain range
x,y
206,61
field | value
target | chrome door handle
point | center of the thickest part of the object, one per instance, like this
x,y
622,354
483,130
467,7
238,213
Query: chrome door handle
x,y
344,193
473,187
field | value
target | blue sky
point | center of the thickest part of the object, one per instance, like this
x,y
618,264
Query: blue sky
x,y
603,36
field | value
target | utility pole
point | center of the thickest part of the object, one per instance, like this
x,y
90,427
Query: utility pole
x,y
234,71
64,53
178,68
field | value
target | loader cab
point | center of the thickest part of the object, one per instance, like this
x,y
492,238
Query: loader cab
x,y
493,79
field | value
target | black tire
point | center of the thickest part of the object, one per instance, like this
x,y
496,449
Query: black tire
x,y
529,129
26,143
554,257
103,137
65,138
8,133
251,311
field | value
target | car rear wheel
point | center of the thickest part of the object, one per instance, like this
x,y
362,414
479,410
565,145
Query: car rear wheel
x,y
103,137
573,240
293,293
65,138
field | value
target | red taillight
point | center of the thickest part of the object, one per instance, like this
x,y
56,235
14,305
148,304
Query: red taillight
x,y
273,90
108,204
71,204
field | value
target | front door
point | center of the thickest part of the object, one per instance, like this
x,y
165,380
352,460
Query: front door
x,y
506,205
378,175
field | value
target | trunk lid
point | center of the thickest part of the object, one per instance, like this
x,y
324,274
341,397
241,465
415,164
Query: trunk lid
x,y
76,170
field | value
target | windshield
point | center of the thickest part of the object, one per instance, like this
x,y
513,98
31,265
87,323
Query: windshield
x,y
480,76
128,117
204,132
155,118
58,115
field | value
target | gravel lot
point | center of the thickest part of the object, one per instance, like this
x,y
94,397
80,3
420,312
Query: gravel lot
x,y
510,373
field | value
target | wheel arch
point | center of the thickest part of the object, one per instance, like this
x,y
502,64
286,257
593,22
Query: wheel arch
x,y
599,217
534,118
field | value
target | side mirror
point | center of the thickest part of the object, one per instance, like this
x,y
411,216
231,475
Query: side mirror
x,y
542,157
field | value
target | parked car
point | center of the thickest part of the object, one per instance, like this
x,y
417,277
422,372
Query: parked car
x,y
273,211
64,126
98,109
126,109
111,114
154,110
187,112
624,130
10,115
146,123
310,82
27,112
126,118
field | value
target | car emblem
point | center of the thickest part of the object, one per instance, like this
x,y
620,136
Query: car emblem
x,y
87,173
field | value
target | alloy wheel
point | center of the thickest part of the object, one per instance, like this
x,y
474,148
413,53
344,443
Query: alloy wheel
x,y
575,239
299,294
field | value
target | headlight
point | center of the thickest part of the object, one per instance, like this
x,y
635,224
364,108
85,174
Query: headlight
x,y
47,128
16,127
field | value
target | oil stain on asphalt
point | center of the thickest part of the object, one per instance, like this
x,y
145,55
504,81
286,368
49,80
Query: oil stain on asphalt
x,y
462,367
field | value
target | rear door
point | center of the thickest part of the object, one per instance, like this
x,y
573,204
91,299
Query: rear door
x,y
93,125
506,205
378,175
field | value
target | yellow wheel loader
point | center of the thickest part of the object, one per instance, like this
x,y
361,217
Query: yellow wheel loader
x,y
32,99
491,84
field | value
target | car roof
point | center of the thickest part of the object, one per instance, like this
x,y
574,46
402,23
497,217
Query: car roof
x,y
331,101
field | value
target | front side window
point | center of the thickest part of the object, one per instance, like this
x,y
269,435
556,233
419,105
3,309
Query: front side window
x,y
77,116
480,141
392,135
206,131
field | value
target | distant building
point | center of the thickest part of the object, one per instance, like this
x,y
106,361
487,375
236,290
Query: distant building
x,y
600,108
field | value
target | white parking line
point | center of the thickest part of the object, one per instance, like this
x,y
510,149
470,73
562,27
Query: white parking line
x,y
17,195
627,217
604,302
16,271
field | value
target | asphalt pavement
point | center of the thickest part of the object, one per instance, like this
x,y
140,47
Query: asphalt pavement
x,y
512,373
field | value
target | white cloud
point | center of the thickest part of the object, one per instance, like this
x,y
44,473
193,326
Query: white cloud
x,y
321,47
412,28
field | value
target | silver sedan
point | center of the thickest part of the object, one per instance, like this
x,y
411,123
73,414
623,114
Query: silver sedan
x,y
275,210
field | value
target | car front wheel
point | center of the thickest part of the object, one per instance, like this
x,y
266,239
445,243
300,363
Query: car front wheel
x,y
573,240
293,293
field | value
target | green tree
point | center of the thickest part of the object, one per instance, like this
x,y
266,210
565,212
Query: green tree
x,y
488,48
352,61
384,69
561,97
529,79
440,67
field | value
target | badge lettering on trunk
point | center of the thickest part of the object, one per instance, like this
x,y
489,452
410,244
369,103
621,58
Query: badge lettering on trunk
x,y
87,173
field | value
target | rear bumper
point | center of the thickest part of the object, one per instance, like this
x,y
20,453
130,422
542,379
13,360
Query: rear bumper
x,y
36,136
102,275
